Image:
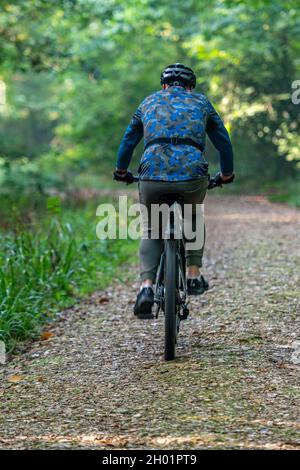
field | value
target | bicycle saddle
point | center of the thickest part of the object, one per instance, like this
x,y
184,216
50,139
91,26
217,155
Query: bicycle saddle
x,y
170,199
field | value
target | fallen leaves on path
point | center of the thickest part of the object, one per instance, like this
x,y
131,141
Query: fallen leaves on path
x,y
15,378
101,381
46,335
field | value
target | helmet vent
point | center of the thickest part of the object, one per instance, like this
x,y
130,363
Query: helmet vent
x,y
178,74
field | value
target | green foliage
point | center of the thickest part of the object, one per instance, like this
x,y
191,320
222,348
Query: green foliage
x,y
46,266
287,191
75,71
72,72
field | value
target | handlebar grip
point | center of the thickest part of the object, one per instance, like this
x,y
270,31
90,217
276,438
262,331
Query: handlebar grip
x,y
217,181
229,180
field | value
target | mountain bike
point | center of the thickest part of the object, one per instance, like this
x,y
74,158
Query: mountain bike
x,y
170,295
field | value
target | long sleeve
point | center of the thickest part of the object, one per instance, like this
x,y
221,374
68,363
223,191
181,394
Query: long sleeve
x,y
131,138
219,136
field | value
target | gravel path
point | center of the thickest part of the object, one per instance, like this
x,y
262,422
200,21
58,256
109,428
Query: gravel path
x,y
97,379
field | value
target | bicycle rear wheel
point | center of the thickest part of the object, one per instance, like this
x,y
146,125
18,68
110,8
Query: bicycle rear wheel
x,y
170,278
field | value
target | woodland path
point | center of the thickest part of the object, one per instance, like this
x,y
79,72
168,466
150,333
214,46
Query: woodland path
x,y
99,380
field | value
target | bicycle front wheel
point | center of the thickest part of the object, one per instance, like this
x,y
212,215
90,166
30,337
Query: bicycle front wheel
x,y
170,278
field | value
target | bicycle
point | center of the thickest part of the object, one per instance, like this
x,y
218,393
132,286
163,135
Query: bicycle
x,y
170,293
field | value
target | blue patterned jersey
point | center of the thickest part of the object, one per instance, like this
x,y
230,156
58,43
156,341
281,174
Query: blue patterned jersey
x,y
175,112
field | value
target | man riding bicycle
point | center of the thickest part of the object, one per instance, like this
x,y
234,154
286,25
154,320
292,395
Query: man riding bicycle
x,y
174,122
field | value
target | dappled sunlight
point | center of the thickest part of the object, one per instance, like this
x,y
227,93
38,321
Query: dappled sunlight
x,y
82,101
107,441
265,218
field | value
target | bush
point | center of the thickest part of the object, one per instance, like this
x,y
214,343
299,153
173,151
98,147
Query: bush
x,y
43,268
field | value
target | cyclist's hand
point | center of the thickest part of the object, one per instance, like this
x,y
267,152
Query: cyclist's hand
x,y
226,179
218,180
124,176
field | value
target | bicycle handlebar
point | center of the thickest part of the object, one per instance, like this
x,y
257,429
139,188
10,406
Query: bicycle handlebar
x,y
214,182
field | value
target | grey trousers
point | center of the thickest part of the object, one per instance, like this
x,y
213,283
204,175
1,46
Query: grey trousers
x,y
150,192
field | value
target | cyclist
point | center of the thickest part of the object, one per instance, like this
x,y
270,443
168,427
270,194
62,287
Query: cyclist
x,y
173,122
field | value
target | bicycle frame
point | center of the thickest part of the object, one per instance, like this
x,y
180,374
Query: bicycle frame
x,y
171,290
173,231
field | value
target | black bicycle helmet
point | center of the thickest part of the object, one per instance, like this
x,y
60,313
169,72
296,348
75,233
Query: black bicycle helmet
x,y
178,74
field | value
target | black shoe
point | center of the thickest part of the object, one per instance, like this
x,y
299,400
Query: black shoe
x,y
144,303
197,286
